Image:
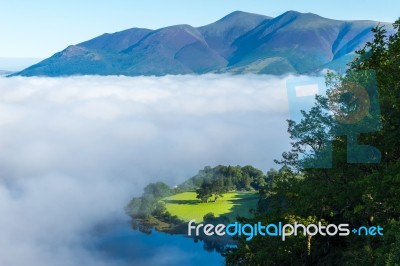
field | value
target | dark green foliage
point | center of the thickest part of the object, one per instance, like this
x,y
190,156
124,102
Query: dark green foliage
x,y
210,218
149,203
205,192
157,190
221,179
357,194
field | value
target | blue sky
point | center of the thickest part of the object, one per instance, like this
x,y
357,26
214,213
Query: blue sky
x,y
41,28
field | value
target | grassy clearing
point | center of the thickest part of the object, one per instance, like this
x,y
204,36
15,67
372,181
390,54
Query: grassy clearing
x,y
187,207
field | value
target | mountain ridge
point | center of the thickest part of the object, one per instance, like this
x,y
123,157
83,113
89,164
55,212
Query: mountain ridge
x,y
240,42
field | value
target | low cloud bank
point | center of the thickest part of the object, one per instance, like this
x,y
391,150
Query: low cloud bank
x,y
74,150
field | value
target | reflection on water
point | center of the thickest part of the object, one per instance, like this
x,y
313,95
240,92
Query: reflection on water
x,y
119,243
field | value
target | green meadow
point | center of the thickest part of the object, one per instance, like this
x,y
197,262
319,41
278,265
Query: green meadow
x,y
187,207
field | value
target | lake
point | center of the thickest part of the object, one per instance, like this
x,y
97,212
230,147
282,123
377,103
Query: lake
x,y
119,243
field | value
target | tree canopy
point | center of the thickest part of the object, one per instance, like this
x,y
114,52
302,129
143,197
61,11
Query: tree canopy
x,y
214,182
360,193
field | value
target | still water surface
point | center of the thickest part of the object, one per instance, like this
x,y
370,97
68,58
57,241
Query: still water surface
x,y
119,243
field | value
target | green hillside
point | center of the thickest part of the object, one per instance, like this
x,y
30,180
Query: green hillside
x,y
187,207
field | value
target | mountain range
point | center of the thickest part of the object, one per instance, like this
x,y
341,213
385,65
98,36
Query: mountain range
x,y
238,43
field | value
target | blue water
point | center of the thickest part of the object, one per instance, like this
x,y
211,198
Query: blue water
x,y
119,243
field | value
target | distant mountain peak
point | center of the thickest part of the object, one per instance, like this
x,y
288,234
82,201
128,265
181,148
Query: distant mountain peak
x,y
291,13
294,13
240,42
241,14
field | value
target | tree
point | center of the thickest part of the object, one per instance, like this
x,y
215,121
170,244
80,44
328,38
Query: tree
x,y
158,190
221,179
144,206
204,192
358,194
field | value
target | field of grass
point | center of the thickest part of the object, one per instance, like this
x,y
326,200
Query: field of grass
x,y
187,207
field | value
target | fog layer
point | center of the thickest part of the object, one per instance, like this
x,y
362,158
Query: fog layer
x,y
74,150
